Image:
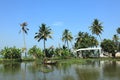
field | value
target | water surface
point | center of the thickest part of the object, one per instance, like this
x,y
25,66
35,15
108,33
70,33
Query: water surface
x,y
91,70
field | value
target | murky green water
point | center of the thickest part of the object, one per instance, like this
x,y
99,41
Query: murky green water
x,y
91,70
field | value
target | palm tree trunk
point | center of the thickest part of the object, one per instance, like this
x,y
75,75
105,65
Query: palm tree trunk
x,y
44,48
67,45
24,43
100,40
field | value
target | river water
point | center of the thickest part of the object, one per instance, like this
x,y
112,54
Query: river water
x,y
90,70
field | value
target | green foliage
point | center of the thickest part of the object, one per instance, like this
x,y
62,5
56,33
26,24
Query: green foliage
x,y
11,53
109,46
50,52
43,34
67,37
24,28
85,40
118,30
58,52
96,27
35,52
65,52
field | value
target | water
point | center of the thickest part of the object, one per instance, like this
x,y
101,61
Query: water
x,y
91,70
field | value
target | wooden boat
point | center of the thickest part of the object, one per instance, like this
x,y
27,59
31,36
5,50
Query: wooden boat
x,y
50,62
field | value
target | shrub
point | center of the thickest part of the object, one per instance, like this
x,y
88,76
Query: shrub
x,y
11,53
35,52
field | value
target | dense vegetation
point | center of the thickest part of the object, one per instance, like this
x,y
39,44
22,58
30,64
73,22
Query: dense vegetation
x,y
82,40
11,53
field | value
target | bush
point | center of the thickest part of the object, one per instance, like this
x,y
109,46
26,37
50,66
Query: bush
x,y
11,53
35,52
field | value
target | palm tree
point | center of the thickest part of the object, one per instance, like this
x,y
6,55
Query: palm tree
x,y
84,40
96,28
79,39
66,37
24,30
43,33
118,30
115,38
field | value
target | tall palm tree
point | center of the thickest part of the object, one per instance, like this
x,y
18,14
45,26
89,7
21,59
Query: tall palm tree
x,y
115,38
118,30
96,28
67,37
24,30
43,33
79,39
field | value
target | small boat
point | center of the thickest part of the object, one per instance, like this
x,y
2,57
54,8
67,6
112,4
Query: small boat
x,y
50,62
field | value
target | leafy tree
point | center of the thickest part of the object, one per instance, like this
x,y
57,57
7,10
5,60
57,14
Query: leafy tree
x,y
84,40
67,37
24,30
43,33
109,46
96,27
11,53
35,52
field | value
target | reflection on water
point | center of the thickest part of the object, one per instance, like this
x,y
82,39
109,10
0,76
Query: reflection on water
x,y
91,70
112,70
87,73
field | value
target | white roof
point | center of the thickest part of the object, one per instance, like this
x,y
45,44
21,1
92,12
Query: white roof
x,y
88,49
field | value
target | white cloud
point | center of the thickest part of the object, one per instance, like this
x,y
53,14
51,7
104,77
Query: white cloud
x,y
58,23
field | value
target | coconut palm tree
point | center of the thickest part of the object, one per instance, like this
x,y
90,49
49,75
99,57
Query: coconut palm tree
x,y
43,33
118,30
96,28
115,38
84,40
67,37
24,30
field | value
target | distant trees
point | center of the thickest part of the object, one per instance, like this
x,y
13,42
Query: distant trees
x,y
43,33
84,40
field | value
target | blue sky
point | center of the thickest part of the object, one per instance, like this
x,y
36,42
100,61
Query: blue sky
x,y
75,15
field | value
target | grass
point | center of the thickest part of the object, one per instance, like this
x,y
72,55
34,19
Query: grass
x,y
59,60
82,60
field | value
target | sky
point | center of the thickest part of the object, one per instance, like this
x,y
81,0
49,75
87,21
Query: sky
x,y
74,15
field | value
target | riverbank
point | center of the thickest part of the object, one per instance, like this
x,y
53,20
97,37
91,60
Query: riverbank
x,y
69,60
